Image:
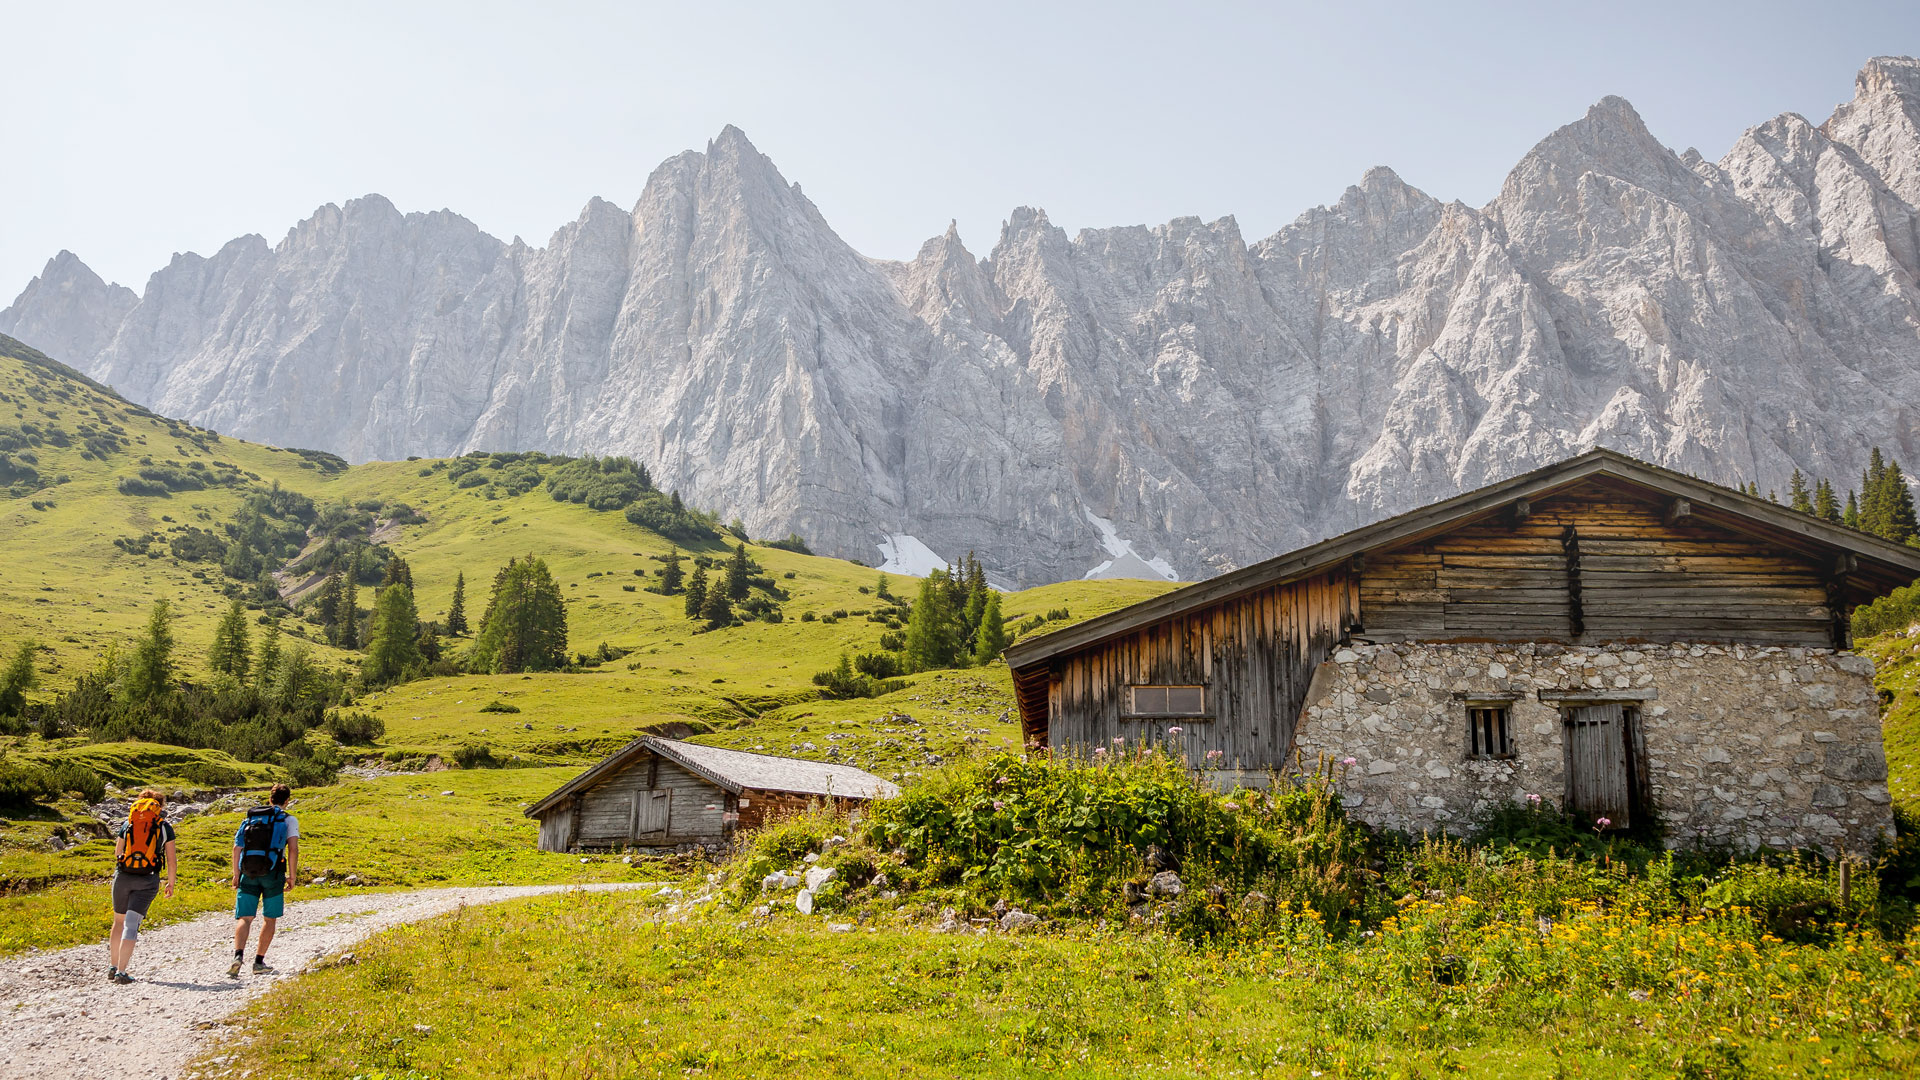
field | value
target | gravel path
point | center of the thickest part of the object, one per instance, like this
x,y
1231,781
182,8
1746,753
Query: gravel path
x,y
58,1012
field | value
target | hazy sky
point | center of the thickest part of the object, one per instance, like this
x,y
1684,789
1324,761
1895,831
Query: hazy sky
x,y
130,133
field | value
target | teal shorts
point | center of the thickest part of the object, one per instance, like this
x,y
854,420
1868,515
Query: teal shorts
x,y
258,892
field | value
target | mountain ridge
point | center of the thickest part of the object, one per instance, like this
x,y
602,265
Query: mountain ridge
x,y
1215,401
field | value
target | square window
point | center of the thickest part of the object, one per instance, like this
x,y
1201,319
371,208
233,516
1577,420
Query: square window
x,y
1167,701
1489,731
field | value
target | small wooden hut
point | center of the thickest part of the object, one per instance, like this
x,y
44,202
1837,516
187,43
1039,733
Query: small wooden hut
x,y
660,794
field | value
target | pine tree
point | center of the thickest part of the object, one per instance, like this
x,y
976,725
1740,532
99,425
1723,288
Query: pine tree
x,y
1825,505
883,590
718,609
430,643
150,676
1851,517
697,592
1896,506
930,636
328,605
671,576
457,614
349,613
20,677
1797,494
674,502
269,659
398,573
990,638
526,624
230,654
739,571
392,648
1771,497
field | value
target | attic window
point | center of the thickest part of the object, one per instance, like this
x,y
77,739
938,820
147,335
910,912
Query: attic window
x,y
1166,701
1489,731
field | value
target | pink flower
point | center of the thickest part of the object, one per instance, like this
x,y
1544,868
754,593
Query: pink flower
x,y
1216,755
1534,799
1349,761
998,805
1119,741
1231,805
1099,750
1175,730
1603,822
1001,780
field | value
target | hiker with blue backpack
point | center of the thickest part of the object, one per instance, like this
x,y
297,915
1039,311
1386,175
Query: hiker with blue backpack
x,y
266,858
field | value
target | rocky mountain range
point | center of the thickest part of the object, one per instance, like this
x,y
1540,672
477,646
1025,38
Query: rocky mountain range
x,y
1140,400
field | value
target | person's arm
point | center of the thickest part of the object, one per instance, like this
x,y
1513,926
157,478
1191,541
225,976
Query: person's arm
x,y
172,866
119,847
236,866
293,861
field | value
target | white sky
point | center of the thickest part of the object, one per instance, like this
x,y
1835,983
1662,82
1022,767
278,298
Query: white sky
x,y
128,133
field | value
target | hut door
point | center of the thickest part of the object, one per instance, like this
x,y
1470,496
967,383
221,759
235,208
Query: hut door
x,y
1599,784
650,813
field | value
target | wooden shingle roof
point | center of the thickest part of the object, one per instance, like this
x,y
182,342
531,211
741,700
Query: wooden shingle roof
x,y
734,770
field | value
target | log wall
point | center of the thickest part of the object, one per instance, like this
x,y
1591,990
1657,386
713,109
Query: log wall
x,y
1255,654
1594,565
698,813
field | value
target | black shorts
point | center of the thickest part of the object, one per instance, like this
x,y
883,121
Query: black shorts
x,y
134,892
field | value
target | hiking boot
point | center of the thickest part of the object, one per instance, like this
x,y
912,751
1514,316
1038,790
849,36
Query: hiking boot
x,y
233,969
111,972
260,967
122,978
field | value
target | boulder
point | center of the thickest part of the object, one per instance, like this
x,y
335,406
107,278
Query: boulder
x,y
1166,884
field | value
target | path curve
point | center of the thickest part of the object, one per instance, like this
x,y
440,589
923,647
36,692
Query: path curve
x,y
57,1010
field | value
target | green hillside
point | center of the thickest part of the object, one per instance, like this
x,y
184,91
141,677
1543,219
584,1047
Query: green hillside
x,y
86,559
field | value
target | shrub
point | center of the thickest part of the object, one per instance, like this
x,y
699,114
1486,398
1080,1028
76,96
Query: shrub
x,y
844,682
475,756
794,543
1897,610
133,485
499,707
354,728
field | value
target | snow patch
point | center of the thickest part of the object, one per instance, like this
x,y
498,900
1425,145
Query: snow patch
x,y
1126,562
903,554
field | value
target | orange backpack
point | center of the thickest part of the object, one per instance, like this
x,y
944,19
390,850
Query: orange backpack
x,y
142,852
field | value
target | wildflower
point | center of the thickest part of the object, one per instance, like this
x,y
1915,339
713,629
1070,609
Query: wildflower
x,y
1119,741
1175,730
1601,823
1002,780
998,805
1534,799
1216,755
1349,761
1099,750
1231,805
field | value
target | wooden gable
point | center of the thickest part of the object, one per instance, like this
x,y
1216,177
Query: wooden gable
x,y
1603,561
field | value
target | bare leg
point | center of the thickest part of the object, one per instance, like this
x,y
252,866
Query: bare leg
x,y
266,936
241,928
114,943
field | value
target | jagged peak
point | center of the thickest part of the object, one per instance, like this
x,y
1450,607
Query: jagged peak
x,y
1889,75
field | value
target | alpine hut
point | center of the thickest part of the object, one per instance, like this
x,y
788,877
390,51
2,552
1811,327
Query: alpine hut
x,y
667,795
1626,641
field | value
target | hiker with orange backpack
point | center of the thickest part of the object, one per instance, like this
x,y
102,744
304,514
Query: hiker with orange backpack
x,y
266,856
141,848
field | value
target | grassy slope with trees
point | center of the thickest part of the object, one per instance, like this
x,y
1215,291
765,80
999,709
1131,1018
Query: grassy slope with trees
x,y
81,597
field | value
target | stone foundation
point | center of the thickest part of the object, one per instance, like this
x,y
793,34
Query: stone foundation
x,y
1747,747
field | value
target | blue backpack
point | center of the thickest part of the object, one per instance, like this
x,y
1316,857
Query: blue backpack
x,y
263,836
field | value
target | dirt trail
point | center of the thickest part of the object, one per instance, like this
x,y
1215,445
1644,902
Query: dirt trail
x,y
57,1010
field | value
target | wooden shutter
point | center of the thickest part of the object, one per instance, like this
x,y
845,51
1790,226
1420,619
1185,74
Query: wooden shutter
x,y
1597,776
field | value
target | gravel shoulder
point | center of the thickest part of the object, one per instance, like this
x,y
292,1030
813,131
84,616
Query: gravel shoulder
x,y
59,1016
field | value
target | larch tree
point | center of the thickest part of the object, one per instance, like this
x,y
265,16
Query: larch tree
x,y
231,653
149,676
269,657
526,624
1798,497
393,647
931,641
697,592
990,639
20,677
349,637
739,573
671,575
